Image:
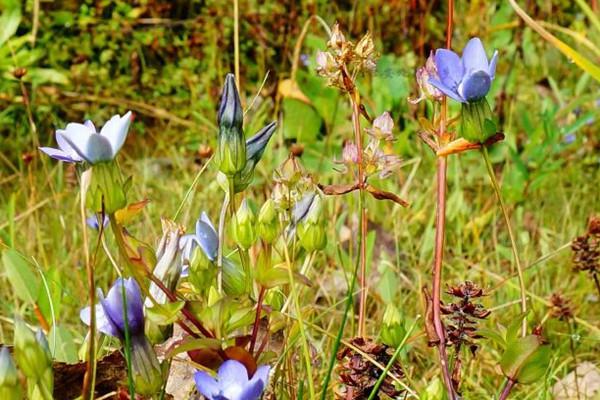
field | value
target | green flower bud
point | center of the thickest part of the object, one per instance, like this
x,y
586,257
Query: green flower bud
x,y
393,330
268,226
31,353
477,123
10,387
244,226
147,372
231,152
235,279
310,228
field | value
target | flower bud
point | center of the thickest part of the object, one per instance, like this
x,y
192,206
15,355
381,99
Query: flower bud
x,y
392,332
235,279
31,353
310,228
268,227
244,226
231,141
168,270
477,121
146,370
10,387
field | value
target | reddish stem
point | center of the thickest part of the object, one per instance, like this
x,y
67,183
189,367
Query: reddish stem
x,y
440,229
507,388
261,296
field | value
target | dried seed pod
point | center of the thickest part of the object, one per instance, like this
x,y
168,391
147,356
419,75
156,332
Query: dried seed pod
x,y
358,375
561,307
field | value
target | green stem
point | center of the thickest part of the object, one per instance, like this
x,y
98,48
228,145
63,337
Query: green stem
x,y
226,201
513,242
300,320
348,305
127,345
391,362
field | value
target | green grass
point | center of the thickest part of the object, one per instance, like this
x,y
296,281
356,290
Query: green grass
x,y
551,188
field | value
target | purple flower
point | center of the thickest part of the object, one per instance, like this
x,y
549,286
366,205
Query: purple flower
x,y
93,223
81,142
465,79
109,313
205,237
232,382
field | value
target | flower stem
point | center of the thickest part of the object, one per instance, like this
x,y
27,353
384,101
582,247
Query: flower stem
x,y
90,372
362,307
513,242
127,345
222,216
259,302
508,386
596,281
347,306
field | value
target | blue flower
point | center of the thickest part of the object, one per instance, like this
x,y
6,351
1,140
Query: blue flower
x,y
109,313
465,79
232,382
92,221
205,237
81,142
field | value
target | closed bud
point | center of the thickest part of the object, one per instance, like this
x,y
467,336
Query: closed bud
x,y
31,353
310,228
392,332
145,368
235,279
268,227
231,144
10,387
244,226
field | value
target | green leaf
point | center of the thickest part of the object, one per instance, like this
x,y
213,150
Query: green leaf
x,y
525,359
582,62
165,314
62,346
24,283
272,277
493,336
10,19
300,121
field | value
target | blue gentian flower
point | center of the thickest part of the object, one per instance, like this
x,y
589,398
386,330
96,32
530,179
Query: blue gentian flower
x,y
146,370
232,382
81,142
109,313
205,237
465,79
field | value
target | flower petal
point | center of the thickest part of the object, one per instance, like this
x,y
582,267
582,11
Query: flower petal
x,y
103,324
90,125
115,130
256,145
474,57
262,374
232,373
113,306
77,136
251,391
98,149
206,385
449,67
446,90
66,147
475,86
58,154
206,219
207,238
